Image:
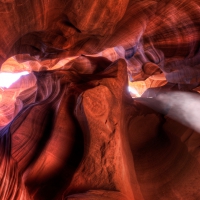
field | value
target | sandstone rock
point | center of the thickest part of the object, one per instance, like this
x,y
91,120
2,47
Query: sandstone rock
x,y
70,129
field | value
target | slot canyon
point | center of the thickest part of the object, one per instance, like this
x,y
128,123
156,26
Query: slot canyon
x,y
99,100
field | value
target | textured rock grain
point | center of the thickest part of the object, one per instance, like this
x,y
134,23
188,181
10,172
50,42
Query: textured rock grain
x,y
70,129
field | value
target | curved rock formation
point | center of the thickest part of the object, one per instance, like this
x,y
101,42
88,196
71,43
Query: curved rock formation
x,y
70,129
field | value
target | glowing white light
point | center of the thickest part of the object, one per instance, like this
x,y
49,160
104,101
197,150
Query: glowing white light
x,y
183,107
134,91
7,79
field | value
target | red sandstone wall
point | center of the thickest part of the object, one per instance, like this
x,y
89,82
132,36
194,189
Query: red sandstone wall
x,y
70,129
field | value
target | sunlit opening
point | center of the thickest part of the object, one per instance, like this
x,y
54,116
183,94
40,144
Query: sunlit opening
x,y
7,79
137,88
141,88
133,91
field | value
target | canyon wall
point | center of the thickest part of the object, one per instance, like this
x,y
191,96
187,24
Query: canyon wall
x,y
70,128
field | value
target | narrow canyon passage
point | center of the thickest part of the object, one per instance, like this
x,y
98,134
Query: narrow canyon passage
x,y
99,100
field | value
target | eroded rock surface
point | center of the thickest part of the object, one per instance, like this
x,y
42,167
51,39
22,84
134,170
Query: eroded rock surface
x,y
70,129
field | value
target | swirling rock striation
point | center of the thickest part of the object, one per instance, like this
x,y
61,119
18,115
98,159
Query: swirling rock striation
x,y
70,129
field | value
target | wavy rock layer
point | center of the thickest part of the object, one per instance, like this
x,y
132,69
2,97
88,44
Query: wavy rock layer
x,y
70,129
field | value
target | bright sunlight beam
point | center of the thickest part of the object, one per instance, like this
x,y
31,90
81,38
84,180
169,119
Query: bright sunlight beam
x,y
133,91
7,79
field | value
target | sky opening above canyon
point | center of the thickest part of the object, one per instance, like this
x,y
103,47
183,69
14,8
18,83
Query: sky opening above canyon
x,y
7,79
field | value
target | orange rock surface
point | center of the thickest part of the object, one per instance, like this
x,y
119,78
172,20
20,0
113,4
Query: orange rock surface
x,y
70,129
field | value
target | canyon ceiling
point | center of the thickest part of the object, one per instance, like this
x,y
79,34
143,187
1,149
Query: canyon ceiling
x,y
70,129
